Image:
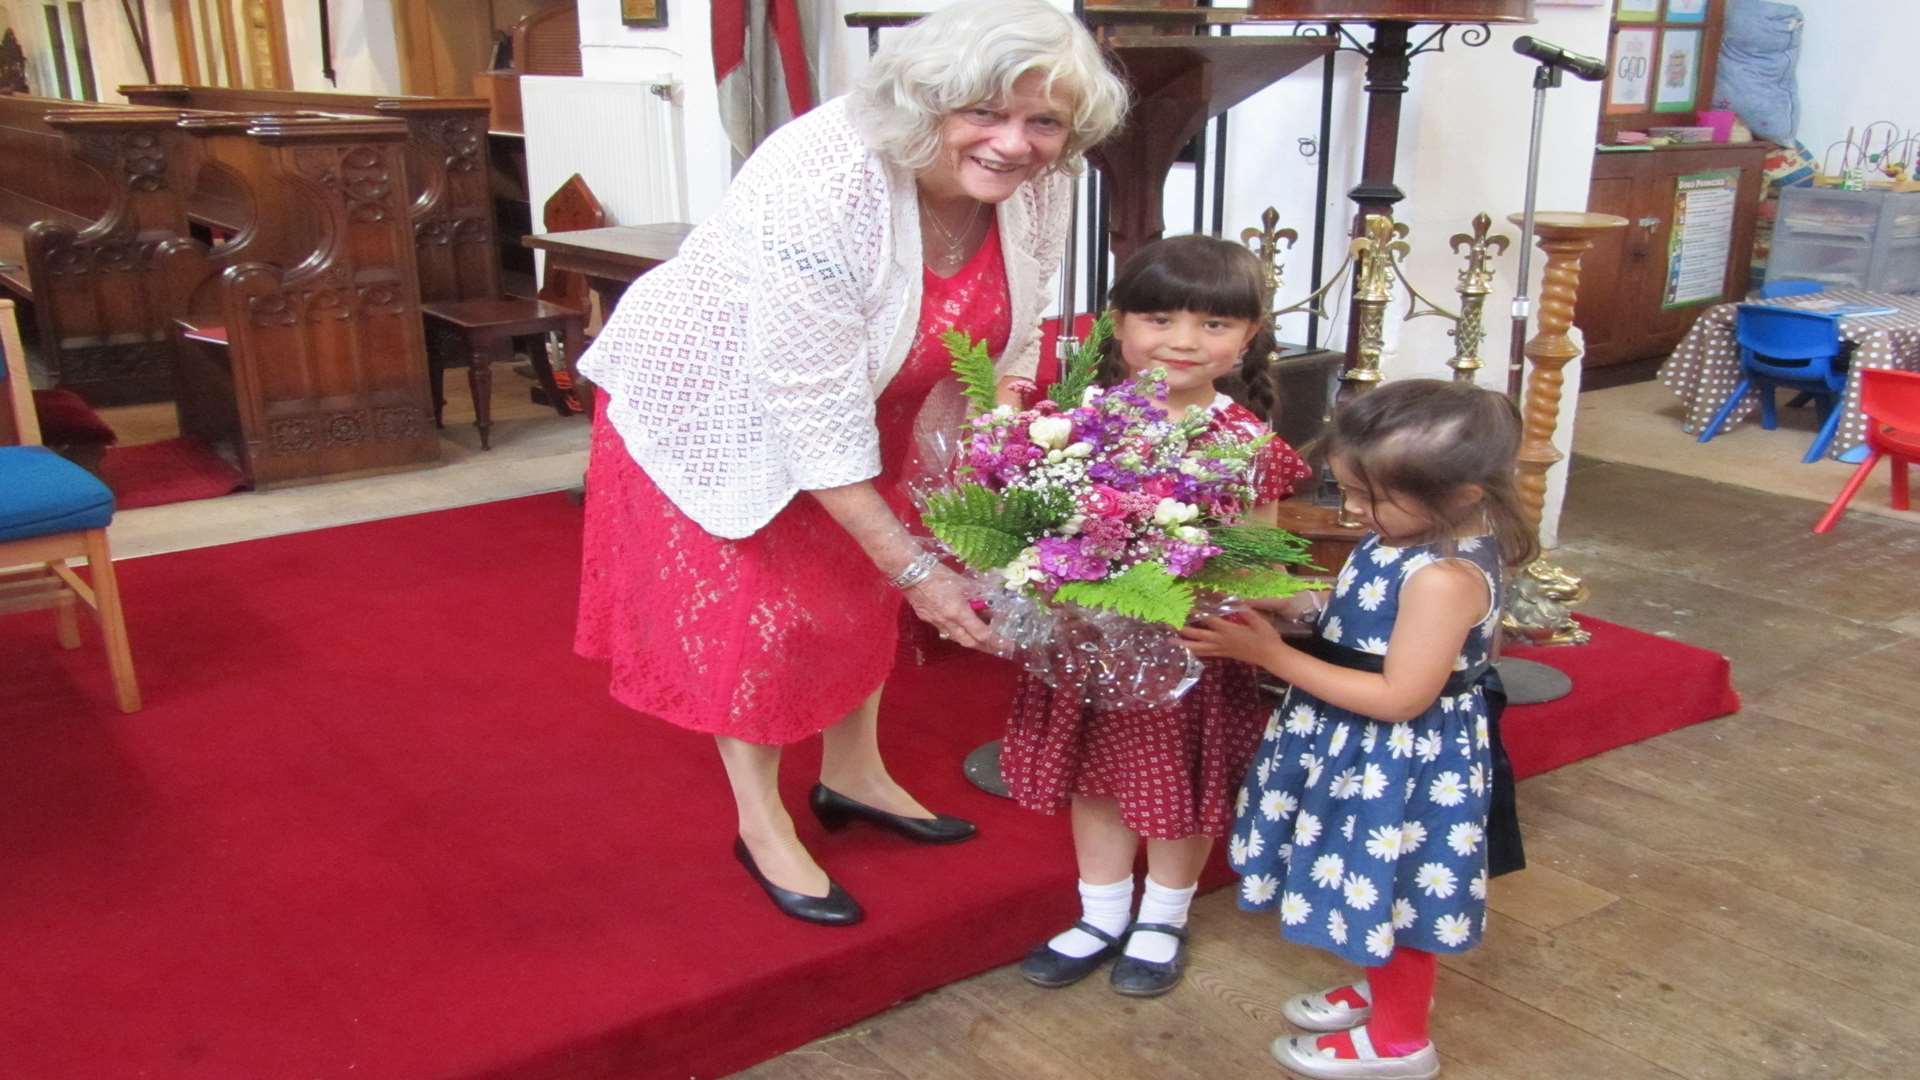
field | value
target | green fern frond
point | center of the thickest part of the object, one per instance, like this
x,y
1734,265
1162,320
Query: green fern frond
x,y
1083,367
1257,547
1265,584
1145,591
987,531
974,367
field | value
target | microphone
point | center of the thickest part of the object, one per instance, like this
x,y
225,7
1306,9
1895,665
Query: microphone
x,y
1581,67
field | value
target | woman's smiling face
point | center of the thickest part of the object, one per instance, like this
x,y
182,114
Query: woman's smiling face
x,y
989,149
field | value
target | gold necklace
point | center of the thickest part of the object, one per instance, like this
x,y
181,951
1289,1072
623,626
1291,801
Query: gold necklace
x,y
955,245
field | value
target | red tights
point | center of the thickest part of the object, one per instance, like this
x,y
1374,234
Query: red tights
x,y
1402,990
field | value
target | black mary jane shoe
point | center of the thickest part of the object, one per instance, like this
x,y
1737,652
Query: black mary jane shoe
x,y
834,909
1044,967
834,811
1135,977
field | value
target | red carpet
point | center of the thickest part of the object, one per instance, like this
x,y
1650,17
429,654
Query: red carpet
x,y
376,821
171,471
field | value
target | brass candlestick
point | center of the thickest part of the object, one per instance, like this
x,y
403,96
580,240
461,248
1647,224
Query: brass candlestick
x,y
1265,243
1538,609
1383,242
1476,284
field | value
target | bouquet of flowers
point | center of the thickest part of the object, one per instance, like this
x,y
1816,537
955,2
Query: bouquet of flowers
x,y
1097,523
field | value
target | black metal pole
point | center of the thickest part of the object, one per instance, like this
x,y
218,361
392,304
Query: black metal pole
x,y
1322,181
1199,150
1220,162
326,45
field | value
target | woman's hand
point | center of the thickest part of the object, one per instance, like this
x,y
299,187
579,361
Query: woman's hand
x,y
1246,635
942,602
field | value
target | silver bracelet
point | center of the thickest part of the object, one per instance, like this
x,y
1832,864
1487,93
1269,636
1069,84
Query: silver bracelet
x,y
917,571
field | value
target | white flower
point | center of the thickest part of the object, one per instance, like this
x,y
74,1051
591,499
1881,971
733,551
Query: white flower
x,y
1348,575
1263,770
1452,929
1346,785
1468,545
1079,450
1273,728
1477,778
1339,740
1446,704
1190,534
1372,593
1435,879
1286,853
1480,734
1259,888
1384,842
1375,645
1369,736
1412,835
1337,927
1331,629
1256,843
1314,767
1380,940
1172,511
1373,782
1403,913
1236,850
1294,909
1306,829
1477,888
1429,745
1464,838
1277,805
1384,555
1400,741
1327,871
1301,720
1407,796
1360,892
1446,790
1346,827
1052,432
1240,803
1418,562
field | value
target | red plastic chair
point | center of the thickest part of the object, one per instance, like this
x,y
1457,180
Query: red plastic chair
x,y
1891,402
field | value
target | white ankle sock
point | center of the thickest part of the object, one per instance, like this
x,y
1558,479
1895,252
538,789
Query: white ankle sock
x,y
1104,906
1159,904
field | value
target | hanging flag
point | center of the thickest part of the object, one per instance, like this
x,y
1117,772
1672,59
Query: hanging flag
x,y
762,59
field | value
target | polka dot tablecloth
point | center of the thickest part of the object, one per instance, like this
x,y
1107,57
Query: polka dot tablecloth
x,y
1706,364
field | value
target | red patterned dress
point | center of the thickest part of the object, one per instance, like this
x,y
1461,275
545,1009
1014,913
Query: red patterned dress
x,y
776,636
1175,770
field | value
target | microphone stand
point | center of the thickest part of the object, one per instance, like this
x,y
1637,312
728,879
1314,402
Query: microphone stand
x,y
1545,78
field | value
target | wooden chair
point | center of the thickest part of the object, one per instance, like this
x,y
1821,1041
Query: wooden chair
x,y
52,510
572,206
485,329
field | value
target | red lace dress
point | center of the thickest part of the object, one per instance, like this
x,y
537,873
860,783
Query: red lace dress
x,y
1175,770
776,636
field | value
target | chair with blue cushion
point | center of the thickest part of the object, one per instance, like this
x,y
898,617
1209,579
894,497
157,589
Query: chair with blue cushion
x,y
52,510
1798,350
1774,290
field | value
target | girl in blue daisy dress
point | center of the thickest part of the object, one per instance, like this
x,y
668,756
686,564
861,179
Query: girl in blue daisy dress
x,y
1364,818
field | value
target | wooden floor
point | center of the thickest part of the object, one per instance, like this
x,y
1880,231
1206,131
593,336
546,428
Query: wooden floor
x,y
1739,900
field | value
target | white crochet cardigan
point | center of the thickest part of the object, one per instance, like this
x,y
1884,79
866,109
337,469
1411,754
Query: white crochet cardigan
x,y
745,369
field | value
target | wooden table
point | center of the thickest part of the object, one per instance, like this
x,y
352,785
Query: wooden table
x,y
1706,364
610,258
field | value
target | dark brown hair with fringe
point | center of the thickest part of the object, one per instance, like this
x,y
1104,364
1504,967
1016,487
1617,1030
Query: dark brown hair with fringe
x,y
1210,276
1417,443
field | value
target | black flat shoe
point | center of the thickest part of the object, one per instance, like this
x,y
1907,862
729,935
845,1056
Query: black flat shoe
x,y
1151,978
1044,967
834,909
834,811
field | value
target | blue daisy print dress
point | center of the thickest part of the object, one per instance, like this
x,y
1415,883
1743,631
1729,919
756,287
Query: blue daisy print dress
x,y
1365,835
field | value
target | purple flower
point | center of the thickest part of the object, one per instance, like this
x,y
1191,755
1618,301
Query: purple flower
x,y
1185,559
1068,560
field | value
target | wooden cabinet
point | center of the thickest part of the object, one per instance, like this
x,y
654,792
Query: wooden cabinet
x,y
1623,284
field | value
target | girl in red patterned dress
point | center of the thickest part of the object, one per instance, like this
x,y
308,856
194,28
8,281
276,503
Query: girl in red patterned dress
x,y
1194,306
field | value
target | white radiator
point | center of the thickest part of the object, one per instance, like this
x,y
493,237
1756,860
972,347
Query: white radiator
x,y
624,138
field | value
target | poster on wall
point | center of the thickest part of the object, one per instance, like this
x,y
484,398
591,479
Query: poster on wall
x,y
1702,236
643,12
1632,78
1679,71
1687,11
1631,11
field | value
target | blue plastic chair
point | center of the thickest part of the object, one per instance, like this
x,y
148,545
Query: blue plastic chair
x,y
1774,290
1799,350
52,510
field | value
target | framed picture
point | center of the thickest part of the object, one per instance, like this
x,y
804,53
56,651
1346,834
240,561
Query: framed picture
x,y
1678,75
1687,11
643,12
1632,11
1631,79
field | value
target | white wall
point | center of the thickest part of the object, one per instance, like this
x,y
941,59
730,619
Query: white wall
x,y
366,55
1854,57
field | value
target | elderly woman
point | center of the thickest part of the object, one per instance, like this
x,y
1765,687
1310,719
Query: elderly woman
x,y
745,560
